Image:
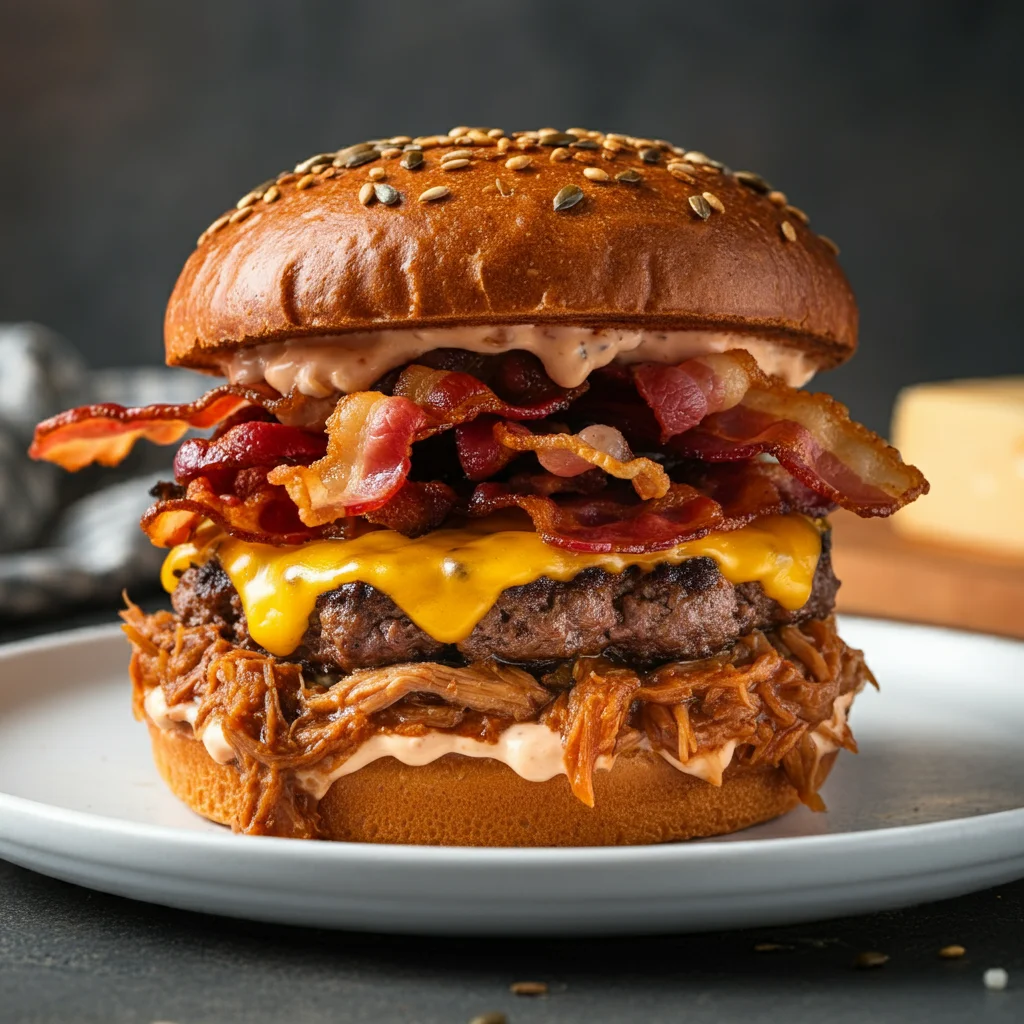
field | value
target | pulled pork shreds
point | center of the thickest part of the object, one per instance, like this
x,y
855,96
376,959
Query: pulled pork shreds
x,y
767,694
596,709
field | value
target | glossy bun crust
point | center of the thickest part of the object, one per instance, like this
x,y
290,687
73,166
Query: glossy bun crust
x,y
462,801
303,256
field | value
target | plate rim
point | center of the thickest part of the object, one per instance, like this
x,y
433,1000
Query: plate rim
x,y
1003,824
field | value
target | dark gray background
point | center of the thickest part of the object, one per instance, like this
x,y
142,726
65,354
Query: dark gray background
x,y
128,127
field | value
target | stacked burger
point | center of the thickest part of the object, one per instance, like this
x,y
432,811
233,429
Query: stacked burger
x,y
511,528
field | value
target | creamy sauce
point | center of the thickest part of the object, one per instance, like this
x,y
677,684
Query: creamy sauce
x,y
709,766
530,749
165,717
353,362
822,736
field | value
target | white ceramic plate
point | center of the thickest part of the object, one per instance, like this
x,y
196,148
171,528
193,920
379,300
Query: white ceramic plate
x,y
932,807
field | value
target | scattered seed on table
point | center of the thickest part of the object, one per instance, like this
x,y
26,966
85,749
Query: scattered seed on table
x,y
777,197
240,215
376,174
437,192
596,174
953,952
559,154
457,154
271,194
412,160
503,189
386,194
454,165
630,177
529,988
863,961
518,163
996,979
367,194
788,231
305,182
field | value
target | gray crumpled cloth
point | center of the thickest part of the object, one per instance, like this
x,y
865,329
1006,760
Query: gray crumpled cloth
x,y
71,540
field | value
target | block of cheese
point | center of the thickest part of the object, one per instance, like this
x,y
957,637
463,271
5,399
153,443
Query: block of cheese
x,y
967,437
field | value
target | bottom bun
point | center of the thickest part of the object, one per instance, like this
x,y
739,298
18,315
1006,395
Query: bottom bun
x,y
463,801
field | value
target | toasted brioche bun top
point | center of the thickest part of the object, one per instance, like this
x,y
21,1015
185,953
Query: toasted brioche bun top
x,y
681,242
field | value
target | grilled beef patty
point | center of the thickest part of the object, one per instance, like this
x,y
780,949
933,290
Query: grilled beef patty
x,y
671,613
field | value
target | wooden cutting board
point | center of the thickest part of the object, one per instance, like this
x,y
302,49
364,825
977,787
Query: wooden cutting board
x,y
885,575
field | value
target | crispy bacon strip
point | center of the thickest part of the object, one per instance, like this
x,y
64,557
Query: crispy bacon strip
x,y
448,397
649,479
369,442
106,433
370,437
250,509
254,443
816,441
597,710
416,508
612,520
681,396
724,408
480,453
606,523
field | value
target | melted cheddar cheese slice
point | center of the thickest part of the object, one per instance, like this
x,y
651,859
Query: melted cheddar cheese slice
x,y
448,580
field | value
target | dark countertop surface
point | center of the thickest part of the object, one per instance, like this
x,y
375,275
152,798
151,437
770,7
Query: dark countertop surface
x,y
69,954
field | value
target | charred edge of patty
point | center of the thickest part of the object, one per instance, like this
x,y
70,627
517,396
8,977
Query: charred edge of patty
x,y
636,617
